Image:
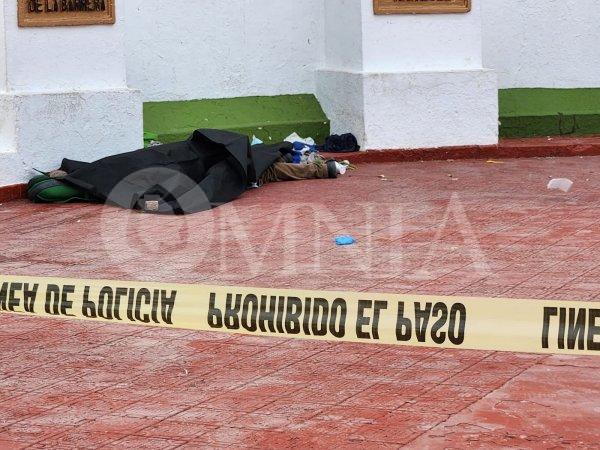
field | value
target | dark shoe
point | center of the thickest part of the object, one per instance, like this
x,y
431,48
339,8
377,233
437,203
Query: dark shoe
x,y
331,169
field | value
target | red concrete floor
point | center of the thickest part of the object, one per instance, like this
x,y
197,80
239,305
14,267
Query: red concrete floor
x,y
468,227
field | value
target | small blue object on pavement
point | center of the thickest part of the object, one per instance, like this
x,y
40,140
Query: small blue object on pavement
x,y
345,240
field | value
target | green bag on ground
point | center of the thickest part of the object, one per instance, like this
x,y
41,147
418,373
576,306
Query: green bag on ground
x,y
43,189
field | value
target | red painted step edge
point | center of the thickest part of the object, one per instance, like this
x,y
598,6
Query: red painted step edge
x,y
13,192
561,146
507,148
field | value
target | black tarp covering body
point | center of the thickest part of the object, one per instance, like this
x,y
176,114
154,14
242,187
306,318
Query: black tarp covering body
x,y
211,168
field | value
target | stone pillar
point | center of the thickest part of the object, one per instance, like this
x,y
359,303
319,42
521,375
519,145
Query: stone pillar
x,y
407,81
63,93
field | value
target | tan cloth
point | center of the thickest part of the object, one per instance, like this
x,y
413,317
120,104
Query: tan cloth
x,y
57,174
282,171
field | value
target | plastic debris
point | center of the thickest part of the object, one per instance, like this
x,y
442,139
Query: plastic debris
x,y
151,139
560,184
345,240
493,161
294,137
256,141
340,168
304,149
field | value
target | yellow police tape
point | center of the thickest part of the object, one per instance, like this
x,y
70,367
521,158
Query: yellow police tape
x,y
532,326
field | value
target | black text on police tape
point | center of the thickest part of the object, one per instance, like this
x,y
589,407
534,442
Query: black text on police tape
x,y
142,305
571,328
310,316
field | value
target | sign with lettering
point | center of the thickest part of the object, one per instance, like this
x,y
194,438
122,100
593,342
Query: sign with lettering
x,y
421,6
52,13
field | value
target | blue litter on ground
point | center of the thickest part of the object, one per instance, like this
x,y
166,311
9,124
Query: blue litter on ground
x,y
345,240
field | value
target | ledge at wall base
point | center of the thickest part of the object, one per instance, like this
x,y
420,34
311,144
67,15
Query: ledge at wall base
x,y
271,119
560,146
12,192
529,112
507,148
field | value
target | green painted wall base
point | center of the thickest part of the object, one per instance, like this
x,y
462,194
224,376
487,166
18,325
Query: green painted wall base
x,y
549,112
269,118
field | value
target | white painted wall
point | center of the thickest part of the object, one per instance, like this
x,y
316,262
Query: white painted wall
x,y
421,42
391,75
550,43
63,93
221,48
406,110
2,52
56,59
267,47
45,128
343,38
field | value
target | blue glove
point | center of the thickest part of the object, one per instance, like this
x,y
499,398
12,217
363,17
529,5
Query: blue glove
x,y
345,240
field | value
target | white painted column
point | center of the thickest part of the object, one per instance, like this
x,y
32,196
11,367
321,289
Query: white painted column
x,y
63,93
407,81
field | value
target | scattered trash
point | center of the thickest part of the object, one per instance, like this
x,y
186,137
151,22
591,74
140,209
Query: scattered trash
x,y
304,150
492,161
560,184
348,165
340,168
79,221
294,137
345,240
149,137
256,141
151,140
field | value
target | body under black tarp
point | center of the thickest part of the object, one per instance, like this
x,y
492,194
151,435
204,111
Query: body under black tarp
x,y
211,168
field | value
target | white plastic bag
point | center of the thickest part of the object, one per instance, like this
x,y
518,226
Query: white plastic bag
x,y
560,184
294,137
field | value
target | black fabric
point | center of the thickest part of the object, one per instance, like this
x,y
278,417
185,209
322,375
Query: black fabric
x,y
265,155
211,168
331,169
340,144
